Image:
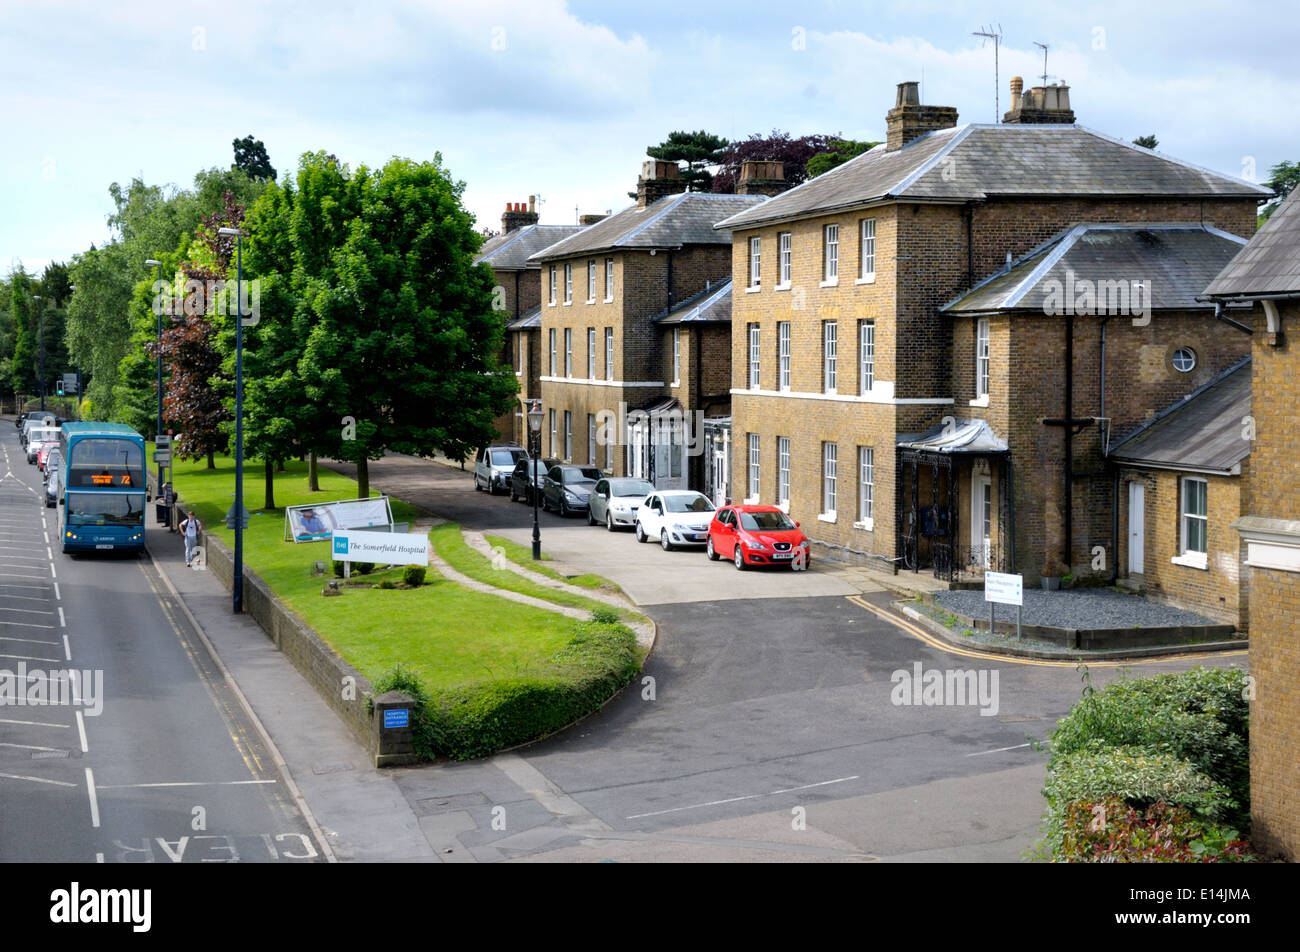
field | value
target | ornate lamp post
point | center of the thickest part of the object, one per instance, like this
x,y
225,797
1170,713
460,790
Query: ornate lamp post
x,y
535,438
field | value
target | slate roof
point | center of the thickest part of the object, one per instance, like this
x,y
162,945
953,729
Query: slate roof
x,y
530,318
975,162
673,221
1270,262
1200,432
709,306
1173,261
510,252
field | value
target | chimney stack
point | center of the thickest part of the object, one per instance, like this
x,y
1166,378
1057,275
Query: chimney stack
x,y
517,215
590,219
1042,105
910,120
657,179
761,178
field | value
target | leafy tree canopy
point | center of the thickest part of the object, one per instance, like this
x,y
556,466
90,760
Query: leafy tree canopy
x,y
251,158
1147,142
837,153
699,150
777,147
1284,177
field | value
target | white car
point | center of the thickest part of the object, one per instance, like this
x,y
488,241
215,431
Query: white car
x,y
614,502
675,517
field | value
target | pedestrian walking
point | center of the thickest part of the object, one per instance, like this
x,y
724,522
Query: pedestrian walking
x,y
191,527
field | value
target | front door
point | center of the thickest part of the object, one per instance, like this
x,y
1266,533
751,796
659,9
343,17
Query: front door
x,y
718,484
1136,529
981,526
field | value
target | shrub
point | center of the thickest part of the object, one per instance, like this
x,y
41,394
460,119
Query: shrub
x,y
338,568
604,616
1139,777
1198,716
1109,830
365,568
413,575
387,583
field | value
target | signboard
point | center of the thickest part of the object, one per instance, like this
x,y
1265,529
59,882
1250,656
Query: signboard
x,y
104,477
1004,589
397,717
322,520
162,440
162,456
69,383
385,548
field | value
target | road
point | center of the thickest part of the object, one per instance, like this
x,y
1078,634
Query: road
x,y
151,758
768,728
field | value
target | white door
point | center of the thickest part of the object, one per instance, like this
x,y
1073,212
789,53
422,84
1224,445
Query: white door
x,y
981,520
1136,529
720,476
638,461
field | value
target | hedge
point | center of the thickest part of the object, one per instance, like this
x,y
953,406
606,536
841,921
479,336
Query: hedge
x,y
1110,830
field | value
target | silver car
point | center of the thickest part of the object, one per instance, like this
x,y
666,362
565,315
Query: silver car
x,y
494,464
614,502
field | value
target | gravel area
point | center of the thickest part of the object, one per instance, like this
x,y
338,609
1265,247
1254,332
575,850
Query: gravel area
x,y
1076,608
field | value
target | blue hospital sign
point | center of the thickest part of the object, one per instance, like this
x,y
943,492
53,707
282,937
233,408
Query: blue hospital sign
x,y
341,545
397,717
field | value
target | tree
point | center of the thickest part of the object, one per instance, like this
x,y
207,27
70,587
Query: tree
x,y
404,341
1147,142
698,150
779,147
838,152
22,311
251,158
1284,177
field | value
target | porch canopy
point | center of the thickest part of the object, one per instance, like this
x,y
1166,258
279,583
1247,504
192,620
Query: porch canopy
x,y
929,533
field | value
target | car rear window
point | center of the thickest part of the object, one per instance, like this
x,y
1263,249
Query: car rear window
x,y
688,504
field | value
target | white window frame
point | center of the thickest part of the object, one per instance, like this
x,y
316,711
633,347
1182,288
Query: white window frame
x,y
568,283
551,336
830,355
609,353
830,467
519,356
784,259
783,355
866,488
783,472
755,263
568,352
866,356
609,280
677,356
755,355
591,281
830,255
568,436
554,437
591,439
552,302
609,453
1193,558
982,347
755,447
591,353
867,251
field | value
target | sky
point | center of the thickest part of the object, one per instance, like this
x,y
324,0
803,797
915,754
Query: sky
x,y
560,98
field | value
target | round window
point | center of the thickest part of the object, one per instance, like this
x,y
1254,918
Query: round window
x,y
1184,359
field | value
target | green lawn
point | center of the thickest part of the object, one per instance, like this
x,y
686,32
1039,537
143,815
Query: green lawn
x,y
447,634
523,555
458,553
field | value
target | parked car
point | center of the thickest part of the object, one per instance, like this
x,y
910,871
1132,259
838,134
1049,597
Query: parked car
x,y
756,535
494,464
43,452
566,488
675,517
523,482
614,502
53,480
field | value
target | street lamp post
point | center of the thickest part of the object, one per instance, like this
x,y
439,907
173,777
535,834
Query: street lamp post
x,y
237,589
40,314
158,308
535,438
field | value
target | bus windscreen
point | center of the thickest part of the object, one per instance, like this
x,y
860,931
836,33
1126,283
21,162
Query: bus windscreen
x,y
105,463
105,509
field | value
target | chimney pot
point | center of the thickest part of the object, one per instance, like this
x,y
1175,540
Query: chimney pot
x,y
909,94
910,120
517,216
761,177
658,178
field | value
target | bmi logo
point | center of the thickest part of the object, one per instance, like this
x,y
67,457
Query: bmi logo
x,y
340,545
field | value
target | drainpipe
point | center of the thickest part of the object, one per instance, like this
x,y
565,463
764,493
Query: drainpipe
x,y
1069,440
1220,316
1105,452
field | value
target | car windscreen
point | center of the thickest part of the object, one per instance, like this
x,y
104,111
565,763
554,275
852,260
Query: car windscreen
x,y
765,521
506,457
580,474
105,509
630,487
688,504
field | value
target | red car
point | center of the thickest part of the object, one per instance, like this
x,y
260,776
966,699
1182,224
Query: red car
x,y
757,535
43,454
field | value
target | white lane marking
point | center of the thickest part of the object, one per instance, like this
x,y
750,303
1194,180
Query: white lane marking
x,y
40,578
28,641
81,729
997,750
46,533
20,548
30,746
752,796
27,657
26,624
188,783
25,611
67,649
57,596
94,803
62,623
53,574
30,588
57,783
26,598
49,554
9,720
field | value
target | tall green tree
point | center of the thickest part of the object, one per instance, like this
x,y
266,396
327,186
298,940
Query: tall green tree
x,y
251,158
1283,178
405,341
837,152
778,146
698,150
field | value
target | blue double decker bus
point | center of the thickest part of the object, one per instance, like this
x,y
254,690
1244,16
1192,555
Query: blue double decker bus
x,y
102,488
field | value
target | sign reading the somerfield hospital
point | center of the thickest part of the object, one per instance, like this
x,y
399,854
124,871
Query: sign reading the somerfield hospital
x,y
1004,589
384,548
